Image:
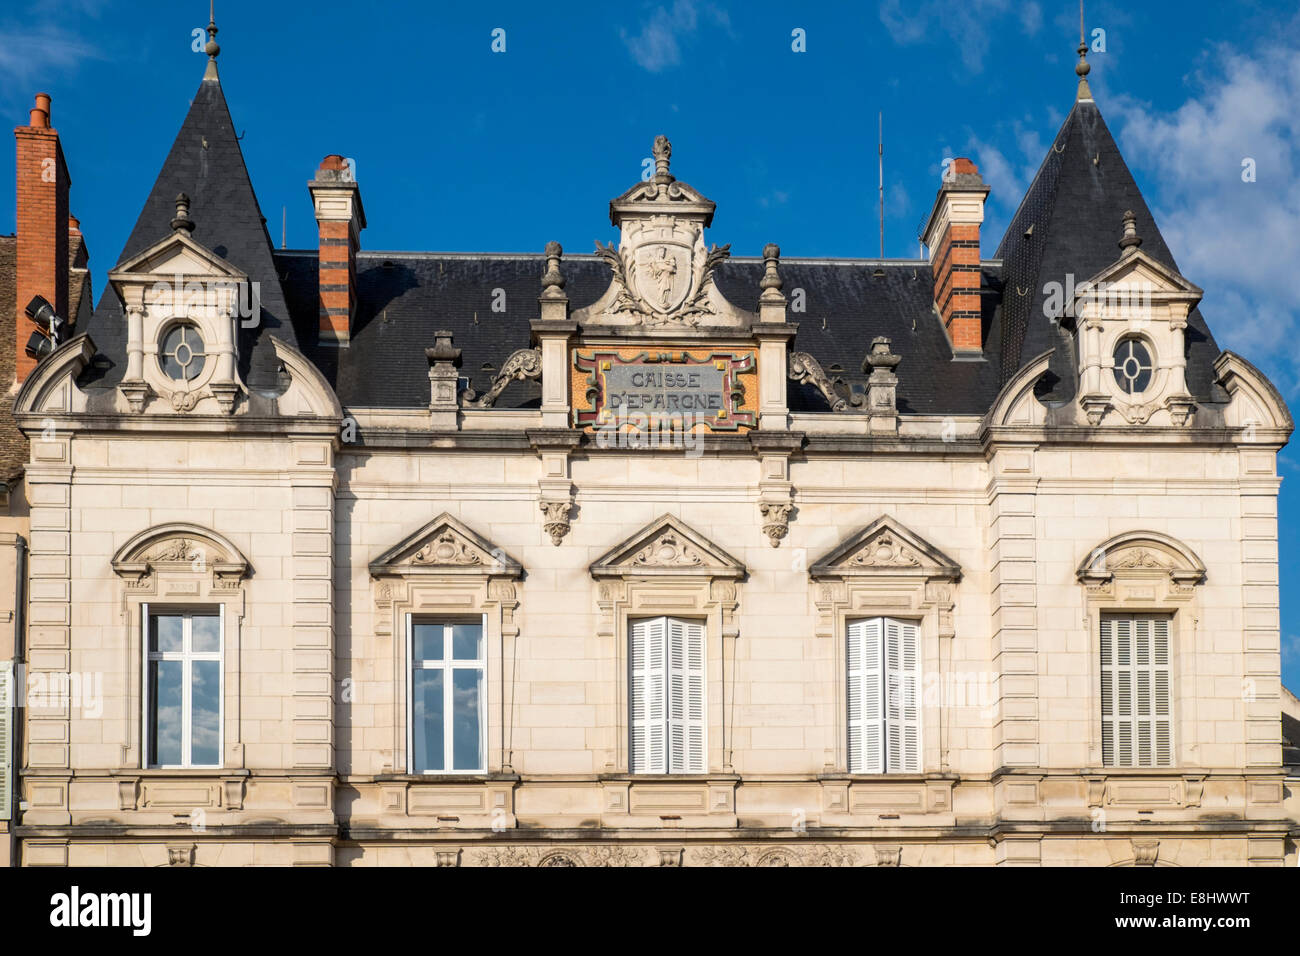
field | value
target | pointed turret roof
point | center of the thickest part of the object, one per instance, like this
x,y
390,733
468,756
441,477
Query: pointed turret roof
x,y
1067,224
207,164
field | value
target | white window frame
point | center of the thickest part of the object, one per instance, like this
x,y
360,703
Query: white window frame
x,y
1108,647
187,656
446,665
672,718
876,629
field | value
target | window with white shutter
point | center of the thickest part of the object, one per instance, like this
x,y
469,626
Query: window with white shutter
x,y
666,695
1136,695
8,711
884,704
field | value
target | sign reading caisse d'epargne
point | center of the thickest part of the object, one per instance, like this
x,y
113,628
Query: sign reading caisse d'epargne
x,y
663,387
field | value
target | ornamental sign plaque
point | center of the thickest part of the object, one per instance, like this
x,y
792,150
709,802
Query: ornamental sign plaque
x,y
665,388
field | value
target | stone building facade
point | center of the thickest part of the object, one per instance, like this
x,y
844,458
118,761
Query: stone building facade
x,y
674,558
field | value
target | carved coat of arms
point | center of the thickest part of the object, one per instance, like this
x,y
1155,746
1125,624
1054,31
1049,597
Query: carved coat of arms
x,y
661,275
661,270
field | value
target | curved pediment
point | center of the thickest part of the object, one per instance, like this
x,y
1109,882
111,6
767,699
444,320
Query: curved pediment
x,y
667,547
445,546
886,547
1141,554
178,545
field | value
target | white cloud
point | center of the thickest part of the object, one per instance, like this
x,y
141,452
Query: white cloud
x,y
658,45
968,24
38,41
1237,240
1031,18
27,53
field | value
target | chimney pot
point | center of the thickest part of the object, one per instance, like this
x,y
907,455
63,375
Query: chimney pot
x,y
339,219
41,223
952,234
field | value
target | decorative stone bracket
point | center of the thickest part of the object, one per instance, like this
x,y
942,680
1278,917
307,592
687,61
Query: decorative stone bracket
x,y
555,487
775,490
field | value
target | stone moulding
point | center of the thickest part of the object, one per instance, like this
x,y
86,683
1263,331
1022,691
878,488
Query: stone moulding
x,y
1141,554
179,545
886,546
445,546
667,547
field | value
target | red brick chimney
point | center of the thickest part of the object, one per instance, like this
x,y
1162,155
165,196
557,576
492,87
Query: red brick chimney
x,y
42,224
952,235
340,219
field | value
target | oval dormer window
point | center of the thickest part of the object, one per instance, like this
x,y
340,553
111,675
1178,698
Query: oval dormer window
x,y
1133,366
181,352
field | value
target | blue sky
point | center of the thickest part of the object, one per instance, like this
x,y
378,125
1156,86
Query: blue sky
x,y
461,148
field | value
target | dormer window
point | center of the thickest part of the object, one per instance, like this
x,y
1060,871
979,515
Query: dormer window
x,y
1132,366
181,352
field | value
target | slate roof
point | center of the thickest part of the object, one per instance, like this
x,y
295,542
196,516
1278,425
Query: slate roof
x,y
1075,206
1070,222
406,298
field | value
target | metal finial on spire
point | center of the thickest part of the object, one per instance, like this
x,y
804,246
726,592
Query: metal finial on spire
x,y
211,48
1083,68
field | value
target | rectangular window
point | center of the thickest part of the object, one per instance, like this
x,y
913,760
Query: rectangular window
x,y
445,719
884,696
183,688
1136,698
666,695
7,711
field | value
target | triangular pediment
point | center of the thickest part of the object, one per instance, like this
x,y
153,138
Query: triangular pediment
x,y
1138,270
173,255
886,547
667,547
445,546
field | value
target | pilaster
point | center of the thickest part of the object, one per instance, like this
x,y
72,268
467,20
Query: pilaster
x,y
1013,574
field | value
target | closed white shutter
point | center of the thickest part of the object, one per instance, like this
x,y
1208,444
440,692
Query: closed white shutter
x,y
1163,694
902,685
866,711
884,685
8,710
685,696
1136,697
647,654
